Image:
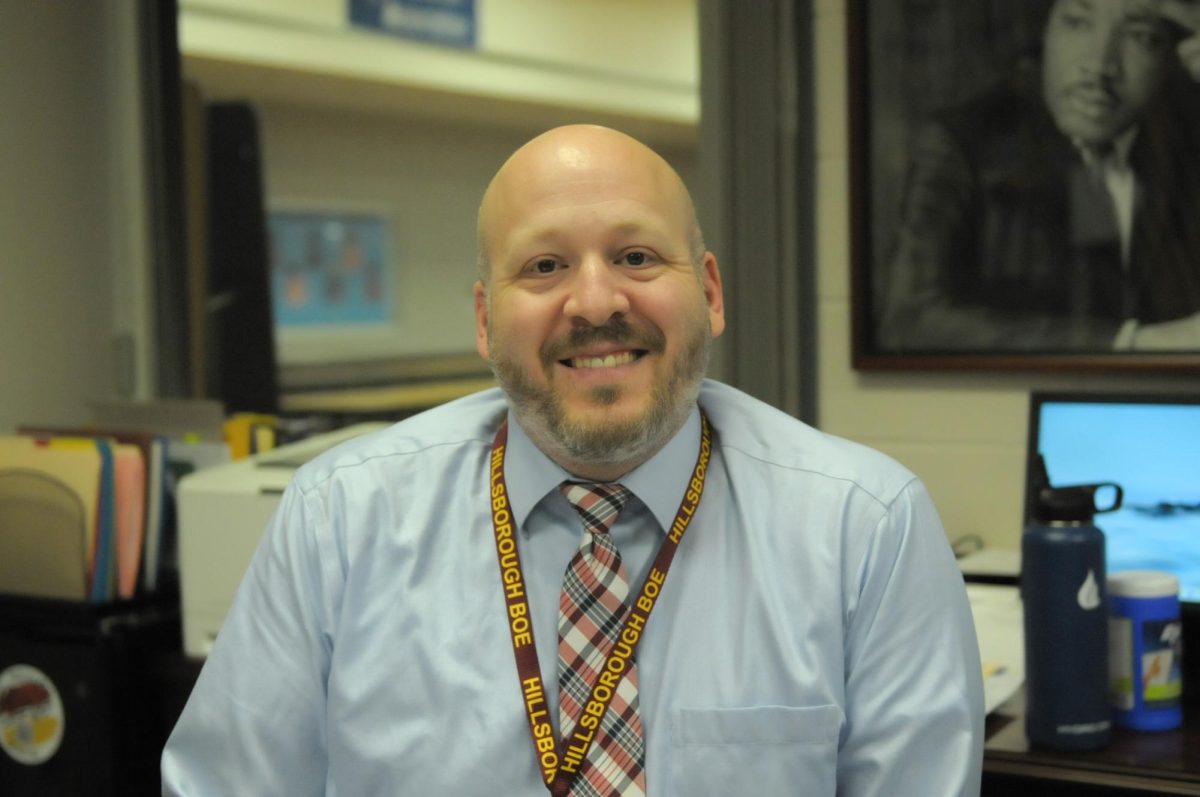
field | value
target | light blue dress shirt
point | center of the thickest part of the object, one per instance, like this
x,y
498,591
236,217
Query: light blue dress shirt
x,y
813,636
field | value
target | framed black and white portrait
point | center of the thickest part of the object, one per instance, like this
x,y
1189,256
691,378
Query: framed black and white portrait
x,y
1025,184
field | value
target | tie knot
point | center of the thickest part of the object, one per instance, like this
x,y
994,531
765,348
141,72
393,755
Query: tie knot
x,y
597,504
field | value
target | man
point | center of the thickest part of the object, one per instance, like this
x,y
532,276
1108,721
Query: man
x,y
406,626
1058,213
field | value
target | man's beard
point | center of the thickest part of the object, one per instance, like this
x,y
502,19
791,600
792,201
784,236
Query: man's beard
x,y
605,442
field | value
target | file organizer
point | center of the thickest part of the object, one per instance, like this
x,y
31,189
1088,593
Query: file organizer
x,y
85,695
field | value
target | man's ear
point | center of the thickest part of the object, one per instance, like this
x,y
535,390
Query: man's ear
x,y
481,320
710,278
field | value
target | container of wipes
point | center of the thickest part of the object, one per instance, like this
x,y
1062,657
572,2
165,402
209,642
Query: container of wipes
x,y
1145,641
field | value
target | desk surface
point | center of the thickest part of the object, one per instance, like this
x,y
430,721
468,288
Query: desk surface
x,y
1132,764
1152,763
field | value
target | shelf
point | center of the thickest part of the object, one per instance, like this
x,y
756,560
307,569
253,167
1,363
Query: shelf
x,y
324,62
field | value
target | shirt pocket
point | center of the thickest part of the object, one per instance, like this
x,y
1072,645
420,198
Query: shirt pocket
x,y
764,751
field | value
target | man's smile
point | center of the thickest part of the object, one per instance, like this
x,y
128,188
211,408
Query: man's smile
x,y
609,360
1092,102
616,344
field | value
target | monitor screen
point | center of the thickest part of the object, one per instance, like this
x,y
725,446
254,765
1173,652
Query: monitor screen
x,y
1150,446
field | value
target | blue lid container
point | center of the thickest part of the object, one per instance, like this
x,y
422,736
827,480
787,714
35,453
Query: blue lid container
x,y
1145,641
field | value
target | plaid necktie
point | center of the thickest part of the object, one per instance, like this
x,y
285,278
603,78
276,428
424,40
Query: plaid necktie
x,y
590,611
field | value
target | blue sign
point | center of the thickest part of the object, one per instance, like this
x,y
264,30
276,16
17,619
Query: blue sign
x,y
442,21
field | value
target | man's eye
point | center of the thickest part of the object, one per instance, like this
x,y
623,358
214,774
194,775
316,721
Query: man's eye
x,y
1146,36
635,258
1075,21
545,266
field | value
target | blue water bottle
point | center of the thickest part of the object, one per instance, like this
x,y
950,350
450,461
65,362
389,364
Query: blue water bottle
x,y
1066,619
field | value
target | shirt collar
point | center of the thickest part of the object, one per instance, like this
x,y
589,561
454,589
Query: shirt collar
x,y
1117,150
659,482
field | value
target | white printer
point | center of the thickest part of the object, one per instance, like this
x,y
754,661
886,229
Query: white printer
x,y
223,511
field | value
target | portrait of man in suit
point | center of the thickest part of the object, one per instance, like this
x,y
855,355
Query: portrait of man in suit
x,y
1057,210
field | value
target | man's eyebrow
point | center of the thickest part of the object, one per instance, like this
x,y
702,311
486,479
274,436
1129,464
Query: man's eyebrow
x,y
1144,15
1143,10
634,228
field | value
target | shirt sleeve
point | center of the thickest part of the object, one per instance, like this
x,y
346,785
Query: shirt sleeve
x,y
914,686
255,721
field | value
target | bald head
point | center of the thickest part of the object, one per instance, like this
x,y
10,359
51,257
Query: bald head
x,y
569,163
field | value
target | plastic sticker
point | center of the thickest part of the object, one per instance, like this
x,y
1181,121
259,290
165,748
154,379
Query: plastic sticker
x,y
31,715
1089,593
1162,681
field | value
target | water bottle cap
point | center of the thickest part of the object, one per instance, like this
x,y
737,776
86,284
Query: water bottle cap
x,y
1142,584
1076,503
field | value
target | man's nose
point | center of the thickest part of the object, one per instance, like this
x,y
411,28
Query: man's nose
x,y
597,292
1103,54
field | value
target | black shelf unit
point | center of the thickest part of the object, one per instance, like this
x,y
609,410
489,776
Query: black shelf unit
x,y
110,664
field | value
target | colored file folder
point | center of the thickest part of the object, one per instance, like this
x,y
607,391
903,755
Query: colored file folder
x,y
139,482
101,570
130,473
48,513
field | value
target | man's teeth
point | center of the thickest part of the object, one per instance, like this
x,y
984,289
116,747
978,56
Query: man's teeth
x,y
611,361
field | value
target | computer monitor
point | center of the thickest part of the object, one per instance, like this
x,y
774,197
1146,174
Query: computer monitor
x,y
1150,446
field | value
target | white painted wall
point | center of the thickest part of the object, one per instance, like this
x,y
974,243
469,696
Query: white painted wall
x,y
71,208
427,180
963,433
